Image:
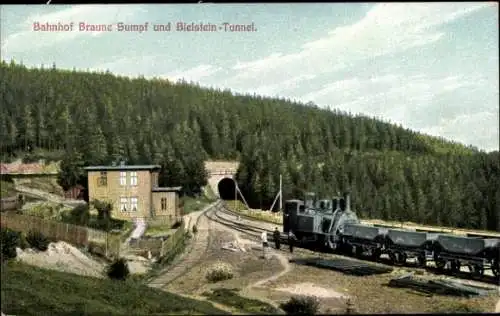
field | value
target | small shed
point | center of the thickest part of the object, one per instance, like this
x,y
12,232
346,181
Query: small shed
x,y
75,192
166,202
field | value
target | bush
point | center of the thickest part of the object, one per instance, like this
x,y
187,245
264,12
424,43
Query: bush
x,y
37,240
103,214
46,210
118,270
80,215
96,249
195,229
23,243
9,240
219,271
301,305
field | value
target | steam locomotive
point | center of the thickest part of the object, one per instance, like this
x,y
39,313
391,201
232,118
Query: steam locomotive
x,y
330,224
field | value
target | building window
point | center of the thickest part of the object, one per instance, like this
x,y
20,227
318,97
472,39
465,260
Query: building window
x,y
103,178
133,178
123,204
163,204
123,178
133,204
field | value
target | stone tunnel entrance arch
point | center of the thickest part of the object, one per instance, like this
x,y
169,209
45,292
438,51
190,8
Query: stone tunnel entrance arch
x,y
226,189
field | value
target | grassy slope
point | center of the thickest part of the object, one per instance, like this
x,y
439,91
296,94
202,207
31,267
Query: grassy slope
x,y
229,297
197,204
209,193
28,290
46,185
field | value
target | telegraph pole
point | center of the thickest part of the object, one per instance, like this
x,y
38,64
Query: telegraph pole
x,y
281,195
235,194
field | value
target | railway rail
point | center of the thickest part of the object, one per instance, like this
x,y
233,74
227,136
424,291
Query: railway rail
x,y
253,231
191,258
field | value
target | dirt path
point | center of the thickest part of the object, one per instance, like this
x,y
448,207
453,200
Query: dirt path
x,y
247,291
497,308
225,308
47,196
287,267
281,258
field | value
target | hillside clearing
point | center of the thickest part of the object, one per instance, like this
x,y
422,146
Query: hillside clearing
x,y
47,185
63,257
190,204
28,290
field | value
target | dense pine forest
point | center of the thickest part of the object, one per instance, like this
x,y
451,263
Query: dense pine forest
x,y
85,118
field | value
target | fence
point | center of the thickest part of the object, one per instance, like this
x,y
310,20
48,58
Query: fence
x,y
173,241
73,234
165,220
159,246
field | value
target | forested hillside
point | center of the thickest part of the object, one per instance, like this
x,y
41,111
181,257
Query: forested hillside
x,y
98,118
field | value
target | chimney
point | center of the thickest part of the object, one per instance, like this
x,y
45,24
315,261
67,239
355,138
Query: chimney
x,y
347,198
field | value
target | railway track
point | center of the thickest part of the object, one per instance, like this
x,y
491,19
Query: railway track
x,y
249,230
223,216
190,258
255,231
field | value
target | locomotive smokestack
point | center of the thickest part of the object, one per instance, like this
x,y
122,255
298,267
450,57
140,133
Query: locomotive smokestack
x,y
347,199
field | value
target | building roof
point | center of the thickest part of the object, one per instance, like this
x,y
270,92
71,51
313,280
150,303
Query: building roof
x,y
125,167
25,168
166,189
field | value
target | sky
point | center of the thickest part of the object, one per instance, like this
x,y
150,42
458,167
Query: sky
x,y
431,67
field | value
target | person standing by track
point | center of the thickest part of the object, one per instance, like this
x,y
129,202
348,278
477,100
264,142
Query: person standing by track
x,y
263,237
276,237
291,240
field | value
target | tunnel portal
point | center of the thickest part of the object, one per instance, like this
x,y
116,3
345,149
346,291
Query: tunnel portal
x,y
226,188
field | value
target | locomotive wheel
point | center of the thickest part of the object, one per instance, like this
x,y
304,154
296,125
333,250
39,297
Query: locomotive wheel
x,y
440,263
358,251
345,249
476,269
376,253
495,267
401,258
421,260
455,266
392,257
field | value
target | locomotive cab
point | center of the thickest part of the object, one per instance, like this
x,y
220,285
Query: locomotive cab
x,y
310,200
292,207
